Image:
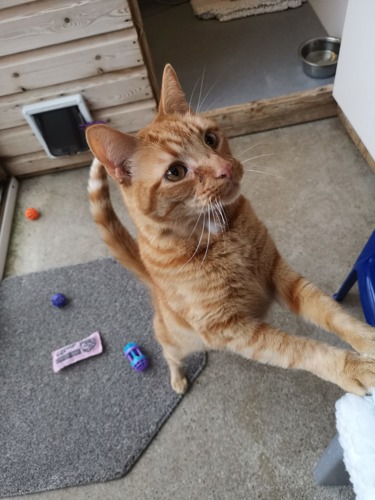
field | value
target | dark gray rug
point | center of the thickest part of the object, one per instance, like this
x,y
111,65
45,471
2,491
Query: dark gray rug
x,y
91,421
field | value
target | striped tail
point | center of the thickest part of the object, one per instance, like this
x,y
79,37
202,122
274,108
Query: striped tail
x,y
117,238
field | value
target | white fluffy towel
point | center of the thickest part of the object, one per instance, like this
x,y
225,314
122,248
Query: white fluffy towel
x,y
355,420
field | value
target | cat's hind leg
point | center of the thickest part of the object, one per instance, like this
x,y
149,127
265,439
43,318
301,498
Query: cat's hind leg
x,y
177,342
173,355
305,299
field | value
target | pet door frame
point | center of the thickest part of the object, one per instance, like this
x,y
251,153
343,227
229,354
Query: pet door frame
x,y
30,110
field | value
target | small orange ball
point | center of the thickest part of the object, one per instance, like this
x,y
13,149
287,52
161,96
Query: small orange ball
x,y
31,213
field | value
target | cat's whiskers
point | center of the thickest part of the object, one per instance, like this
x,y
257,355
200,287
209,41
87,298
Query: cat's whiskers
x,y
192,94
256,157
217,220
217,226
262,172
212,105
252,147
221,211
203,210
202,232
200,91
209,232
200,100
208,93
224,212
220,220
196,224
219,223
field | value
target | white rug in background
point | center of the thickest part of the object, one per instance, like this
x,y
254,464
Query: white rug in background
x,y
226,10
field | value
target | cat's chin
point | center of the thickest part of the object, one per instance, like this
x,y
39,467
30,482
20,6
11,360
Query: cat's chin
x,y
232,195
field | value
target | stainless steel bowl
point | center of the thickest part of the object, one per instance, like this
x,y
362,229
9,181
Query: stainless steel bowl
x,y
319,56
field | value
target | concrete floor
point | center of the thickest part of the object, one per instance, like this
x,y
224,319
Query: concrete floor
x,y
245,431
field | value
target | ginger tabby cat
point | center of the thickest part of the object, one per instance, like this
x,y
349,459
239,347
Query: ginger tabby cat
x,y
209,262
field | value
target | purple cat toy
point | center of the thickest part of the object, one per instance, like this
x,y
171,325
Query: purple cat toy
x,y
138,361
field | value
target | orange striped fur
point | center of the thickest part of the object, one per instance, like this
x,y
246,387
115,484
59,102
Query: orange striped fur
x,y
211,266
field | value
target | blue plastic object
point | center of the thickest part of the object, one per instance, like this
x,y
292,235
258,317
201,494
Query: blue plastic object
x,y
59,300
364,272
138,361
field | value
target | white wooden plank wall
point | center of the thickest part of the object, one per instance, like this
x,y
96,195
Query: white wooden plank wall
x,y
52,48
29,26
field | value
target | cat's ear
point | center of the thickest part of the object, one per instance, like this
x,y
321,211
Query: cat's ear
x,y
113,149
172,98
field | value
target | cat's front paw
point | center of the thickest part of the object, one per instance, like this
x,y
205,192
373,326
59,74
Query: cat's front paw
x,y
358,375
365,341
179,384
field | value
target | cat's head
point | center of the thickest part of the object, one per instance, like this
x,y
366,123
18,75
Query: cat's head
x,y
180,164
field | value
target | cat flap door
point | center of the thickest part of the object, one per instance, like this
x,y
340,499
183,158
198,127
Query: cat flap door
x,y
58,124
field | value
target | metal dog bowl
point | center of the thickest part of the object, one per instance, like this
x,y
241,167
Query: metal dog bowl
x,y
319,56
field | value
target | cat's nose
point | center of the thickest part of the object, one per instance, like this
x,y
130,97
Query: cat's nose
x,y
225,171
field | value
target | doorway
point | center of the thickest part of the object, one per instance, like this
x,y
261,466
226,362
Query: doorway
x,y
222,64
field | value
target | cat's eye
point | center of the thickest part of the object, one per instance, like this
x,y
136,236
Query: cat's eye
x,y
211,139
176,172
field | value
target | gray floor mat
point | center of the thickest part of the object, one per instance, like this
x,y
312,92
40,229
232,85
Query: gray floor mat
x,y
91,421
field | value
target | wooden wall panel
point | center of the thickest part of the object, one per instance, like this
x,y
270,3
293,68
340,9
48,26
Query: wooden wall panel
x,y
55,48
39,163
108,90
69,61
50,22
18,141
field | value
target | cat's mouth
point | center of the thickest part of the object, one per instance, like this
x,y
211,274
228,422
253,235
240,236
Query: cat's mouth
x,y
226,194
229,192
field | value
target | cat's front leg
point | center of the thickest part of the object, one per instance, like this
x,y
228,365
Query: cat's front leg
x,y
306,300
263,343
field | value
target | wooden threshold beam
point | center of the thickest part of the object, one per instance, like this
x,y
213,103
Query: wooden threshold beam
x,y
267,114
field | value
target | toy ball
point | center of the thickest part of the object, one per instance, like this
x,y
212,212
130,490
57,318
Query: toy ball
x,y
31,213
138,361
59,300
